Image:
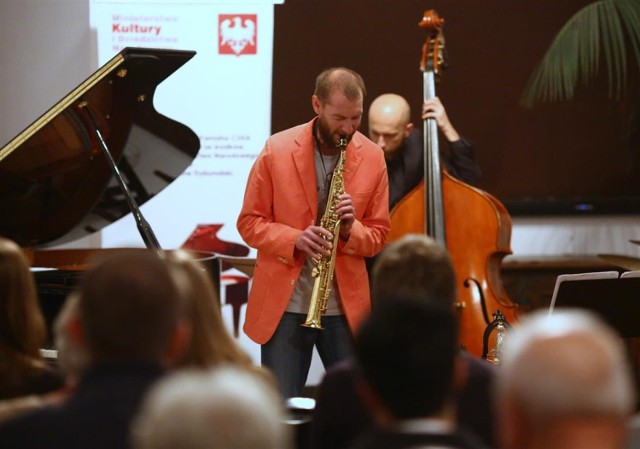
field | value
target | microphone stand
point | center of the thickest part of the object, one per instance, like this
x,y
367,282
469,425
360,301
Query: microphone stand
x,y
144,228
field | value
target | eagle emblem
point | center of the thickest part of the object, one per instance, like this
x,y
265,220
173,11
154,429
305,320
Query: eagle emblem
x,y
237,34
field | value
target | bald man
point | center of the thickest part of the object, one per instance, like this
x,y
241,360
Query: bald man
x,y
391,128
563,383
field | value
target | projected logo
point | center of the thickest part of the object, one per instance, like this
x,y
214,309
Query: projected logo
x,y
237,34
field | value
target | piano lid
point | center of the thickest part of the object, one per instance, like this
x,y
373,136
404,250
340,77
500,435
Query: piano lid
x,y
55,183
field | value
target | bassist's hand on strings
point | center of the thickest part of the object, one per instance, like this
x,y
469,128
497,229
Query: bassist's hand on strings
x,y
347,213
433,108
311,242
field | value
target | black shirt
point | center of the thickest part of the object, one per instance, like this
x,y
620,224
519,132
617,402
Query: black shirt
x,y
406,171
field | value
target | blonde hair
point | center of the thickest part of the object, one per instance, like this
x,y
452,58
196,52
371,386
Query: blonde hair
x,y
211,344
569,362
23,330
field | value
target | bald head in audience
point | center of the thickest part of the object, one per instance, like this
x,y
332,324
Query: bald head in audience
x,y
564,383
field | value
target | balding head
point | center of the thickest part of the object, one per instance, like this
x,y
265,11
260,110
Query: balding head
x,y
389,122
339,79
564,366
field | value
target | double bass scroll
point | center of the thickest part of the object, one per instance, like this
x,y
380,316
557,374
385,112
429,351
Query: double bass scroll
x,y
472,224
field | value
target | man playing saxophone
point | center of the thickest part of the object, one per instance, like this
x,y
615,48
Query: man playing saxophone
x,y
285,198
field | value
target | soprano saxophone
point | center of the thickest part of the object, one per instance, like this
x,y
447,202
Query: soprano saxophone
x,y
324,268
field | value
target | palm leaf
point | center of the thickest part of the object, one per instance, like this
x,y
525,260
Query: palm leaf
x,y
606,27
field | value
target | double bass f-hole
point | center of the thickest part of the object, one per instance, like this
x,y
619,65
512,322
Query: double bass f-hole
x,y
461,305
467,284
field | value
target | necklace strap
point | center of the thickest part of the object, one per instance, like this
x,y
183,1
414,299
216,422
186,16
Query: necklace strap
x,y
317,142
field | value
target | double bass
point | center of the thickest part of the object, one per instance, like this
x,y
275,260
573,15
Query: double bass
x,y
472,224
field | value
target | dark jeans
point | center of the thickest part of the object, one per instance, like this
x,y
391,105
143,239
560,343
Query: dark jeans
x,y
288,353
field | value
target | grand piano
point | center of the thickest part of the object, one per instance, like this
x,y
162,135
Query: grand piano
x,y
95,156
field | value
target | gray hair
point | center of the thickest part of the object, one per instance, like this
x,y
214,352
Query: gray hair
x,y
566,362
226,408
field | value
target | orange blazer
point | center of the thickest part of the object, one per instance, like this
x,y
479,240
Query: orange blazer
x,y
281,200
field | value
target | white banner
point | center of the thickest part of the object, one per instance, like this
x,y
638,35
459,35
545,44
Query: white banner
x,y
223,94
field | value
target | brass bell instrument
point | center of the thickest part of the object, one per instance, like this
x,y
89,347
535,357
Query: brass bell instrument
x,y
493,342
324,267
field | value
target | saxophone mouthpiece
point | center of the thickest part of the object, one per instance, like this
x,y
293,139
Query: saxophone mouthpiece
x,y
342,142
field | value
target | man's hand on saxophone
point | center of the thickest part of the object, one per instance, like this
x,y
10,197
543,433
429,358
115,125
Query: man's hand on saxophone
x,y
347,214
311,242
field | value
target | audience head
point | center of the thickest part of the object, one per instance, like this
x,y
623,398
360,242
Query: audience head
x,y
226,408
559,369
405,351
211,343
23,329
390,123
129,309
426,267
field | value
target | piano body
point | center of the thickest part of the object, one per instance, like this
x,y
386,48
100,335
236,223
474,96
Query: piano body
x,y
56,182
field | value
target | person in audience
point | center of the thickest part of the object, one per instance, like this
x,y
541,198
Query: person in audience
x,y
129,321
414,265
71,360
211,344
23,331
406,354
564,383
227,407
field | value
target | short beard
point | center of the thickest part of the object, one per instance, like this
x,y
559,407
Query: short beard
x,y
326,137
